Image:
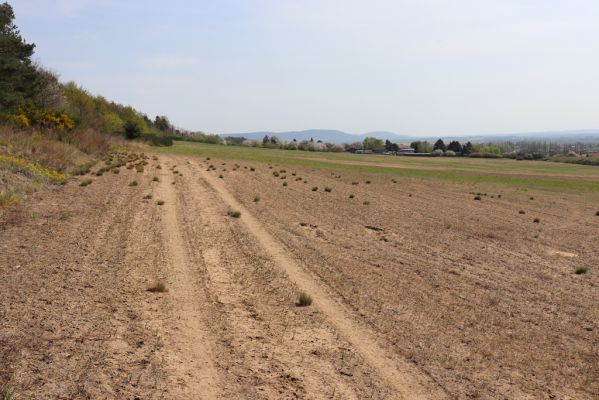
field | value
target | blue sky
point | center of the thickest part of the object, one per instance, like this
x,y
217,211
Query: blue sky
x,y
420,67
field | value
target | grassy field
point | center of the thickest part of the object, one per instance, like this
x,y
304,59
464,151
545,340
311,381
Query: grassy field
x,y
521,174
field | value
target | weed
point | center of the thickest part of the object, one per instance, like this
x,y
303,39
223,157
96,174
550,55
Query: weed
x,y
155,179
275,174
351,196
256,199
354,183
477,197
221,176
303,300
597,213
134,183
314,189
158,167
581,270
521,212
536,220
327,189
252,169
158,287
234,214
160,202
147,197
366,203
367,182
6,393
284,183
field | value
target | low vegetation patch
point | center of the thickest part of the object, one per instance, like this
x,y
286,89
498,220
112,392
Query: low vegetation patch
x,y
160,202
303,300
256,199
327,189
234,214
536,220
581,270
351,196
477,197
158,287
134,183
314,189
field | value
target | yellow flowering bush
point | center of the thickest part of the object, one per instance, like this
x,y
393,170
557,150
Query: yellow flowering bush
x,y
22,165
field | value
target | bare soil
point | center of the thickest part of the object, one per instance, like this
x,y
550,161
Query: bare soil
x,y
422,293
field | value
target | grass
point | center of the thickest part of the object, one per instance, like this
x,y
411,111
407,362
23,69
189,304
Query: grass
x,y
303,300
147,197
521,212
86,182
581,270
327,189
234,214
315,188
7,393
477,197
530,174
134,183
351,196
256,199
536,220
366,203
160,202
158,287
155,179
8,198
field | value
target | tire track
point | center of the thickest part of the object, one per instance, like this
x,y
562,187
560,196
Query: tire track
x,y
405,379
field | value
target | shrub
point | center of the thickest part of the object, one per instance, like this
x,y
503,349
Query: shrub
x,y
477,197
147,197
160,202
536,220
303,300
284,183
275,174
158,287
314,189
327,189
155,179
221,176
521,212
367,182
159,166
366,203
354,183
256,199
234,214
252,169
134,183
351,196
581,270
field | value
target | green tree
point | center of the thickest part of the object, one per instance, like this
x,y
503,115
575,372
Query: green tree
x,y
455,146
439,145
467,149
372,143
18,77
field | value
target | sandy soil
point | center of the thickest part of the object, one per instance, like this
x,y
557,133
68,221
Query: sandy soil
x,y
422,293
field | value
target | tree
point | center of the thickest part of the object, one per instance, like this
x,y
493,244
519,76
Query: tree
x,y
439,145
18,77
265,140
132,129
372,143
421,146
455,146
467,149
163,124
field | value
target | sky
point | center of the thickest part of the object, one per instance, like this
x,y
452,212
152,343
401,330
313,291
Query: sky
x,y
416,67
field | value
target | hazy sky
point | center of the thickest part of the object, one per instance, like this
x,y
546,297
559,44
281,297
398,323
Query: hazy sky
x,y
422,67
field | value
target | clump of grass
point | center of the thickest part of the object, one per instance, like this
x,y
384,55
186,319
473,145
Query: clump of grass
x,y
283,171
521,212
367,182
532,198
116,171
284,183
139,168
393,180
477,197
234,214
252,169
303,300
7,393
158,287
221,176
581,270
160,202
597,213
314,189
256,199
147,197
99,173
536,220
366,203
159,166
134,183
155,179
275,174
327,189
351,196
355,183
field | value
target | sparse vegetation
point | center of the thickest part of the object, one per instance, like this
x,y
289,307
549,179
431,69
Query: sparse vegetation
x,y
477,197
234,214
155,179
521,212
284,183
221,176
536,220
351,196
581,270
158,287
366,203
134,183
327,189
256,199
147,197
160,202
315,188
303,300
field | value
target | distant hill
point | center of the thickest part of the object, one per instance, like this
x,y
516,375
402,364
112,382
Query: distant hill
x,y
336,136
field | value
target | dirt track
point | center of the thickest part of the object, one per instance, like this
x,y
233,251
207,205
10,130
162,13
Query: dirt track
x,y
409,308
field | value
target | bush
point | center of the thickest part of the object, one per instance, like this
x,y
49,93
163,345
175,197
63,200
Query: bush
x,y
521,212
477,197
234,214
275,174
303,300
314,189
134,183
160,202
327,189
536,220
597,213
256,199
366,203
351,196
581,270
